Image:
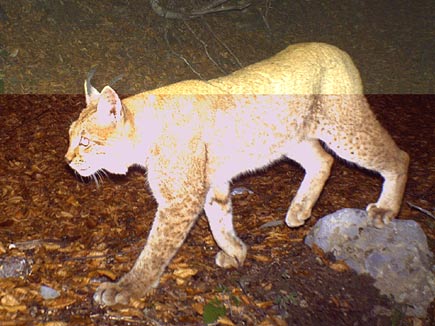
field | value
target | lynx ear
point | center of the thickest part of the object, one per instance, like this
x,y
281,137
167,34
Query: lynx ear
x,y
109,107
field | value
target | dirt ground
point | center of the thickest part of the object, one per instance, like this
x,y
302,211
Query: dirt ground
x,y
77,234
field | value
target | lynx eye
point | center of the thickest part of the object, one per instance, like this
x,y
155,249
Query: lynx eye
x,y
84,141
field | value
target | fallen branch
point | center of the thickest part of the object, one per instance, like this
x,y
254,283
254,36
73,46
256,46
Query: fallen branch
x,y
180,56
36,243
272,224
265,15
424,211
222,43
205,47
213,7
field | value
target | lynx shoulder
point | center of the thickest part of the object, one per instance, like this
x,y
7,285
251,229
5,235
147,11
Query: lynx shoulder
x,y
194,137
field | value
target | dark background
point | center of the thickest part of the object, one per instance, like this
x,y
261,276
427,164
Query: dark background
x,y
48,46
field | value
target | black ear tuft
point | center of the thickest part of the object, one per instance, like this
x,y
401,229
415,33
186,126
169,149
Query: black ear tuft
x,y
91,93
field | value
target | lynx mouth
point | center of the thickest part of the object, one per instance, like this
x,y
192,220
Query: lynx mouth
x,y
83,171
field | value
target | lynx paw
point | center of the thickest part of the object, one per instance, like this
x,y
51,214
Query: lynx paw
x,y
123,292
110,294
297,215
226,261
379,216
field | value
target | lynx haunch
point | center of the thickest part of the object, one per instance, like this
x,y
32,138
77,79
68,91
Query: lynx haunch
x,y
194,137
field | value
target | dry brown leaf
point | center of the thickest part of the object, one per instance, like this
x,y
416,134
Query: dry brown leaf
x,y
103,272
15,200
132,312
73,201
51,245
185,273
97,254
2,248
59,303
224,320
11,304
7,283
9,300
14,308
198,307
261,258
336,301
56,323
180,281
273,321
339,266
245,299
139,304
264,304
26,291
258,247
65,214
267,286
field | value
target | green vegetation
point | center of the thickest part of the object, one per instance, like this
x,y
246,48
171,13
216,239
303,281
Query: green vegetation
x,y
218,306
213,310
284,300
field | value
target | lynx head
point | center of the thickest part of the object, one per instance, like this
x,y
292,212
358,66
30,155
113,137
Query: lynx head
x,y
99,138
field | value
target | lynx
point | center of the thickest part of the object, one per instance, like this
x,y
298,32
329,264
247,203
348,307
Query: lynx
x,y
194,137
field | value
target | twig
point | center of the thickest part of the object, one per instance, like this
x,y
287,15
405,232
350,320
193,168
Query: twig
x,y
88,257
424,211
36,243
205,46
265,16
271,224
116,79
222,43
180,56
134,250
213,7
165,13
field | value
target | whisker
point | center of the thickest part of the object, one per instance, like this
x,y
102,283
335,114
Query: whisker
x,y
95,178
105,174
99,176
79,175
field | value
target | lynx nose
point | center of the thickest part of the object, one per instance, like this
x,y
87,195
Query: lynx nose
x,y
68,158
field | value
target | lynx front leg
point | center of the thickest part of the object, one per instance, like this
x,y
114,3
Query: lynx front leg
x,y
317,164
169,230
219,213
178,183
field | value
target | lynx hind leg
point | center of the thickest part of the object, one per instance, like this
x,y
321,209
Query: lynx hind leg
x,y
317,164
219,213
351,130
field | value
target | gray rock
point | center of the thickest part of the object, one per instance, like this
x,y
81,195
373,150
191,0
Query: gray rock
x,y
396,256
48,293
14,267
